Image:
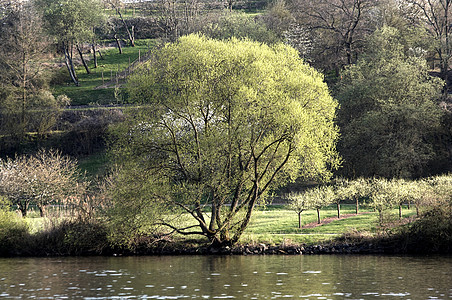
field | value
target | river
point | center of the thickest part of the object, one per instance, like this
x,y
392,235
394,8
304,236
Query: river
x,y
227,277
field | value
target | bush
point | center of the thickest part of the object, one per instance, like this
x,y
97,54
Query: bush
x,y
86,133
13,231
432,233
70,237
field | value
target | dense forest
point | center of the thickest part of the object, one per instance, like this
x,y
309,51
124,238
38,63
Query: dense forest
x,y
159,100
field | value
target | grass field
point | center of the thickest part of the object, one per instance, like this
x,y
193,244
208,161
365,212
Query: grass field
x,y
112,63
276,224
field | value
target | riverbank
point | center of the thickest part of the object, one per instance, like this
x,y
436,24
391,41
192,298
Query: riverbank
x,y
263,249
272,231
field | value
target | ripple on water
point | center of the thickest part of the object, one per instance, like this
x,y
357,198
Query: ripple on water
x,y
396,294
312,272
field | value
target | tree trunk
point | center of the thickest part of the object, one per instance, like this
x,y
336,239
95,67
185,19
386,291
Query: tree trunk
x,y
94,55
70,64
247,218
318,215
380,216
229,4
400,211
357,205
83,59
338,205
23,207
299,219
129,34
100,54
42,210
118,43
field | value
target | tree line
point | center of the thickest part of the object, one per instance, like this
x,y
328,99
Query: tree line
x,y
243,105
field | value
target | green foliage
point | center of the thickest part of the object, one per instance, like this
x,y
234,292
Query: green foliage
x,y
432,232
71,20
278,17
239,25
227,121
382,197
388,110
135,205
321,196
13,230
68,237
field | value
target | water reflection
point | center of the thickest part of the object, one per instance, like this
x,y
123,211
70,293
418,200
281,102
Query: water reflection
x,y
228,277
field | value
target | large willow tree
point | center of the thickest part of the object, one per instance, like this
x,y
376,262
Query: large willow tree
x,y
224,123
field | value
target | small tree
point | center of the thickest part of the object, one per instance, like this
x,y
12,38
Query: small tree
x,y
357,189
319,197
299,202
341,193
14,184
382,197
40,179
419,192
400,192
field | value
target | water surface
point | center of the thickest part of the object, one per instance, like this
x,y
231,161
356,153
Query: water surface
x,y
228,277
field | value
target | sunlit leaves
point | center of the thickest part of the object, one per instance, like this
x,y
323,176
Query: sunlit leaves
x,y
230,119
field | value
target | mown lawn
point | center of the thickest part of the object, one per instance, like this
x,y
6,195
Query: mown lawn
x,y
280,225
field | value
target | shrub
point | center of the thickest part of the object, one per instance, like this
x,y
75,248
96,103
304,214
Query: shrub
x,y
13,231
432,233
70,237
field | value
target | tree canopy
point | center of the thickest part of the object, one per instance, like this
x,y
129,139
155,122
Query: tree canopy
x,y
388,110
226,122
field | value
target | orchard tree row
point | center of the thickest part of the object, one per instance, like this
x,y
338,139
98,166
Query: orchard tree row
x,y
381,194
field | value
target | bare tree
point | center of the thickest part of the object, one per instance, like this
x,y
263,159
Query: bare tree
x,y
39,179
23,44
338,24
437,18
117,6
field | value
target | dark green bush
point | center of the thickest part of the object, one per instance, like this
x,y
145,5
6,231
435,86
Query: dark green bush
x,y
432,232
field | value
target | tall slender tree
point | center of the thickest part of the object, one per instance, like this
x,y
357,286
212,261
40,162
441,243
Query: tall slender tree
x,y
23,44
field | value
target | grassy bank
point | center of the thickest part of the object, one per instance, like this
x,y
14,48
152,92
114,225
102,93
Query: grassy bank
x,y
273,225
